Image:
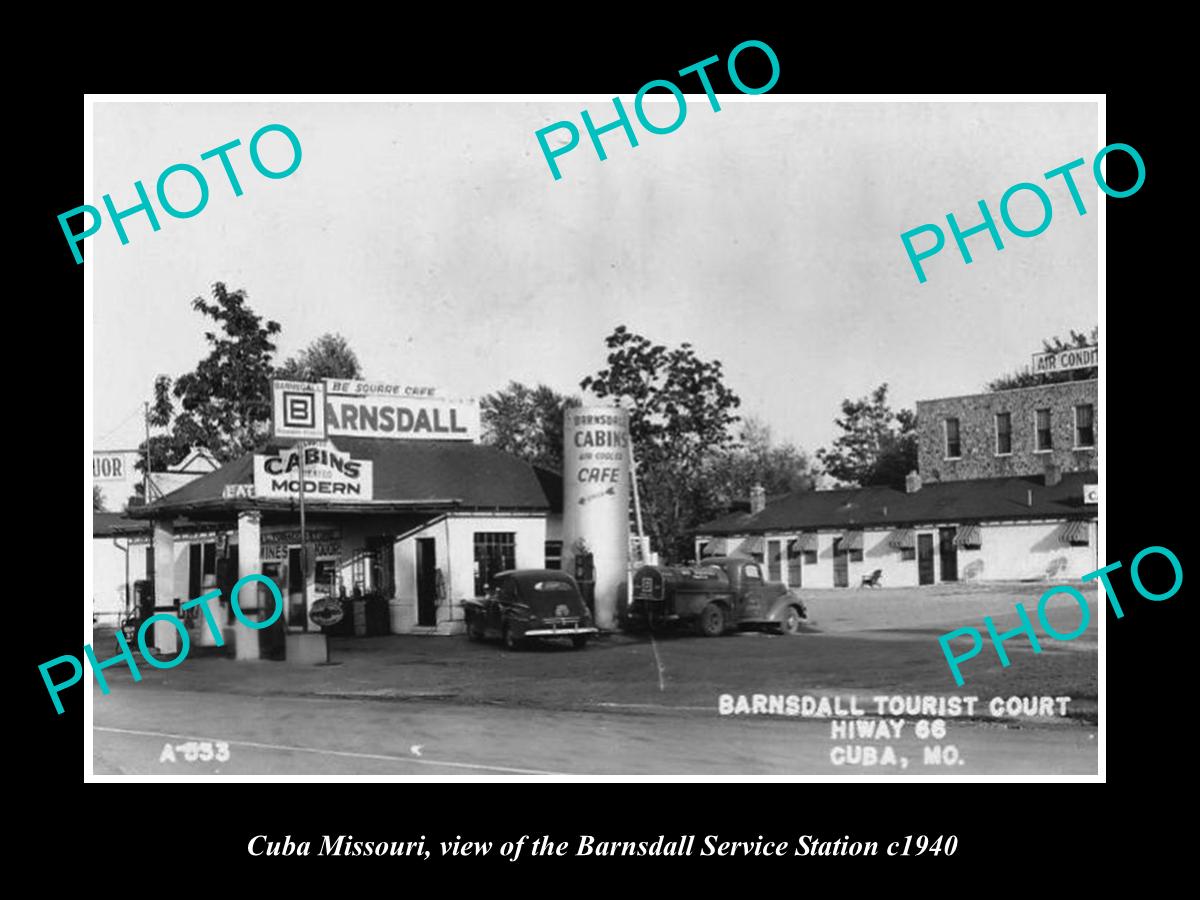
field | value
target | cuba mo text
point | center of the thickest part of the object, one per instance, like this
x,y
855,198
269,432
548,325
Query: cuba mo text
x,y
126,655
145,206
1026,626
622,120
989,223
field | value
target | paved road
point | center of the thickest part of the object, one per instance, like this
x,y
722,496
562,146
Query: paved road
x,y
313,736
627,705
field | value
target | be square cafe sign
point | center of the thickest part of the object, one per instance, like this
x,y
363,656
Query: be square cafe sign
x,y
348,408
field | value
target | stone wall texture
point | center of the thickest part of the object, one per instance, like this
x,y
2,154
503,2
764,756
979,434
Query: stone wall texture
x,y
977,431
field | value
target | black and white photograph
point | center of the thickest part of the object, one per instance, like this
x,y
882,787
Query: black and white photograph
x,y
692,435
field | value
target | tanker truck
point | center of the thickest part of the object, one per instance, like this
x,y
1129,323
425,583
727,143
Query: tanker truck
x,y
714,597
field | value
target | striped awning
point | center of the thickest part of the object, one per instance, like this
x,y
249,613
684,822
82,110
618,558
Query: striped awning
x,y
852,540
968,536
716,547
805,543
903,539
1075,533
750,546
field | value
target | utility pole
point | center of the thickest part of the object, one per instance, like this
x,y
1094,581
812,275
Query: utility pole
x,y
146,474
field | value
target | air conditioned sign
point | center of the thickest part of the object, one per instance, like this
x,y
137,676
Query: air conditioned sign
x,y
1065,360
329,475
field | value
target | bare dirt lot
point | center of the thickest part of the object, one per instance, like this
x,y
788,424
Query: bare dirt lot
x,y
627,704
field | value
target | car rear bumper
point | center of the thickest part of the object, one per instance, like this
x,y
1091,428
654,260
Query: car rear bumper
x,y
563,631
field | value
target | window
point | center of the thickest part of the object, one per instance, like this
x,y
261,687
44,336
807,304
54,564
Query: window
x,y
1003,434
553,554
752,573
810,557
1085,427
855,555
1042,438
908,553
495,551
953,444
774,560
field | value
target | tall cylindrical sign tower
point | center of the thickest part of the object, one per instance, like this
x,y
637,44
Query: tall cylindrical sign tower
x,y
596,502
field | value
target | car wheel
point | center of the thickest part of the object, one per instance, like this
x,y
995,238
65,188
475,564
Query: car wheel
x,y
791,621
579,641
511,641
712,621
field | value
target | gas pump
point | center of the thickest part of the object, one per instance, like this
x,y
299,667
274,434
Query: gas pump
x,y
585,575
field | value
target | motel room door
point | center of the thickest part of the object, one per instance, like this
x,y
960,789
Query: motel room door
x,y
948,553
924,559
426,581
841,563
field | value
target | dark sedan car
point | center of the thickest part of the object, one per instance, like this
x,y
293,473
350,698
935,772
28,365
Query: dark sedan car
x,y
529,604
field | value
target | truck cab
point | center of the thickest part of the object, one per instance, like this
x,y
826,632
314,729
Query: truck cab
x,y
715,596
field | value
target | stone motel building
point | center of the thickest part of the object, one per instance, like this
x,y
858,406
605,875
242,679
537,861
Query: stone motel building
x,y
1005,489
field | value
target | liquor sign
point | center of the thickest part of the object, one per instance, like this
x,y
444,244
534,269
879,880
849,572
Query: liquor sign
x,y
1065,360
113,466
404,412
1091,493
298,409
329,474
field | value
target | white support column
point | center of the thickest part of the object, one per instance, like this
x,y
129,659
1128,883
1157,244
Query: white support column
x,y
249,598
165,636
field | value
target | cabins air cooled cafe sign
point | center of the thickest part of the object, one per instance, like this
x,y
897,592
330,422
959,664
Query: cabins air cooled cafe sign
x,y
347,408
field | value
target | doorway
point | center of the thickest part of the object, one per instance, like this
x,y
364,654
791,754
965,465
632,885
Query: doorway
x,y
841,563
949,553
297,614
924,559
426,581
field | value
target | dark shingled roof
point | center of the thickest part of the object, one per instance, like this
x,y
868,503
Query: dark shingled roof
x,y
456,473
114,524
886,507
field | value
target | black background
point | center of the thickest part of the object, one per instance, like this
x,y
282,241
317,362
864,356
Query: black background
x,y
1002,828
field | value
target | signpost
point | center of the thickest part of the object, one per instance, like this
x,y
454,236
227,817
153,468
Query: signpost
x,y
298,411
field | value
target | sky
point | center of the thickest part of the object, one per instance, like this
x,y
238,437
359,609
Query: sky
x,y
434,238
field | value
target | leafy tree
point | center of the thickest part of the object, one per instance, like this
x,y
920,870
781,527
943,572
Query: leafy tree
x,y
877,445
1026,378
329,356
97,499
225,403
756,459
680,419
527,422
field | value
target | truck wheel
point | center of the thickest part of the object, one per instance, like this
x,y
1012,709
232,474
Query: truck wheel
x,y
712,621
791,621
